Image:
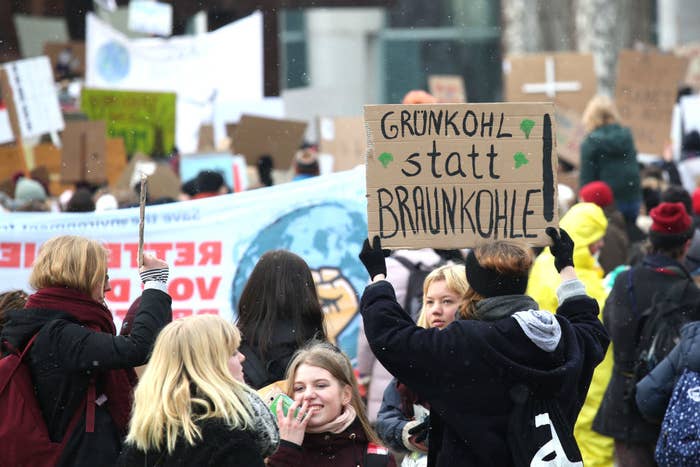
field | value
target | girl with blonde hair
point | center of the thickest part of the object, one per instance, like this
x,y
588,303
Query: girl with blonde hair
x,y
403,420
192,407
330,427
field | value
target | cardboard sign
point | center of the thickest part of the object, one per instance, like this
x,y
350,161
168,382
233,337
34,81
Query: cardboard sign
x,y
565,78
34,100
6,135
116,159
346,139
49,156
447,88
570,134
67,59
83,156
11,161
206,139
162,181
645,93
457,175
692,53
255,136
145,120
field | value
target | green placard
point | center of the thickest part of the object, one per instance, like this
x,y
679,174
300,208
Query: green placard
x,y
145,120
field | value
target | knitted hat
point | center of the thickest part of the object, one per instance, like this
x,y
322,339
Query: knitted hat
x,y
696,201
597,192
671,225
491,283
27,190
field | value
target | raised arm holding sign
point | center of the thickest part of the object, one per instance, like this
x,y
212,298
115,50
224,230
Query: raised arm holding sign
x,y
453,175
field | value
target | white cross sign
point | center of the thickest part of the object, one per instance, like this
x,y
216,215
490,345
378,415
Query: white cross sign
x,y
550,87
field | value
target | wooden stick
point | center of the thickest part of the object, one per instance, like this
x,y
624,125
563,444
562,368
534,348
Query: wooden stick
x,y
142,213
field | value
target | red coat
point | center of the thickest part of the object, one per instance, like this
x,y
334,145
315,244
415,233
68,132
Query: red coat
x,y
346,449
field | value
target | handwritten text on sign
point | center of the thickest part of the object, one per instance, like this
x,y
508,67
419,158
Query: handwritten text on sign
x,y
454,175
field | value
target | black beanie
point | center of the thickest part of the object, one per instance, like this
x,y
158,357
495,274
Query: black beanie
x,y
491,283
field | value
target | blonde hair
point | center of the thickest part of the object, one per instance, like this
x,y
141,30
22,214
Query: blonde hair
x,y
187,379
70,261
330,358
600,111
455,278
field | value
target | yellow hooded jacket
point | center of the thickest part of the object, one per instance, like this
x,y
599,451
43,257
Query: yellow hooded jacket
x,y
586,224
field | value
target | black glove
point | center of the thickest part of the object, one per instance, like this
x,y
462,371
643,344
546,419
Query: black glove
x,y
373,257
562,248
421,431
265,166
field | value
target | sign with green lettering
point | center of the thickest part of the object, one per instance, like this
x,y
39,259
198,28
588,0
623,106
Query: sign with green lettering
x,y
457,175
145,120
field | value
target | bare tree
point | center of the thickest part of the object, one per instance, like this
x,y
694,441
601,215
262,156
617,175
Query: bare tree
x,y
521,33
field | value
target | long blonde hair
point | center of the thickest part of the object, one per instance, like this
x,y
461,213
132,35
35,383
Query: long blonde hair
x,y
70,261
600,111
330,358
187,379
456,280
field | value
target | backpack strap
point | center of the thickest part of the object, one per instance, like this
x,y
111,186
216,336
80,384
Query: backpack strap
x,y
18,361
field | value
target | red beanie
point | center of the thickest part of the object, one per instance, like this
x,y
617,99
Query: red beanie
x,y
597,192
696,201
671,225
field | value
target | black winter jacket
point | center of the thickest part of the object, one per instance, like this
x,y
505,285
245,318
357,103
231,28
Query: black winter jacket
x,y
62,360
220,446
618,416
655,389
467,370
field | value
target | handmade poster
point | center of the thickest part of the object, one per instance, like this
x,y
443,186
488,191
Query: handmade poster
x,y
278,138
345,139
645,94
570,134
84,152
144,120
565,78
457,175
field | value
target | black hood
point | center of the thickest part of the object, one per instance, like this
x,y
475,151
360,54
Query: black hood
x,y
21,325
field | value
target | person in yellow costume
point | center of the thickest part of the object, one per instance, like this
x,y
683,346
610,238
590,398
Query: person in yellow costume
x,y
586,223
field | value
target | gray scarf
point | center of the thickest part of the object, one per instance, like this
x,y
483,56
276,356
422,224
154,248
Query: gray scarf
x,y
493,308
265,431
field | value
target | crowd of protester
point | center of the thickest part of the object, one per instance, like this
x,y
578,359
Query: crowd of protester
x,y
501,333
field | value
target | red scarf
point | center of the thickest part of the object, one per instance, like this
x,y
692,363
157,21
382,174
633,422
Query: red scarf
x,y
117,384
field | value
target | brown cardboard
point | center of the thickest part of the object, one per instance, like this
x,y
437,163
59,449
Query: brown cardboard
x,y
163,182
522,159
77,50
692,53
49,156
645,93
84,155
447,88
206,139
11,161
570,134
116,159
569,179
522,71
345,138
255,136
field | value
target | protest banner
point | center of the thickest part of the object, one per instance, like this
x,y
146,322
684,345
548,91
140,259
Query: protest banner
x,y
345,139
213,244
456,175
645,93
278,138
67,59
566,78
447,88
83,155
145,120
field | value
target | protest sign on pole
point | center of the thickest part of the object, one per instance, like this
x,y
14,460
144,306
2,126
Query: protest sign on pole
x,y
645,93
456,175
345,139
145,120
565,78
280,139
84,152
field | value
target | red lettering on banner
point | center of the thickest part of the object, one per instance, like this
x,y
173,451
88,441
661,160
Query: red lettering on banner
x,y
115,255
10,254
210,292
185,254
208,311
133,250
181,288
182,313
120,290
29,254
210,253
159,249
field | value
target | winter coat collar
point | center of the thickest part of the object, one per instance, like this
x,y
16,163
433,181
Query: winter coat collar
x,y
494,308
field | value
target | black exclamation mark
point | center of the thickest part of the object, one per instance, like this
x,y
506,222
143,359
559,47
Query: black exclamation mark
x,y
547,173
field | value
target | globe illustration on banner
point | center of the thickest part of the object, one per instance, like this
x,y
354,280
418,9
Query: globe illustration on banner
x,y
329,237
113,62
